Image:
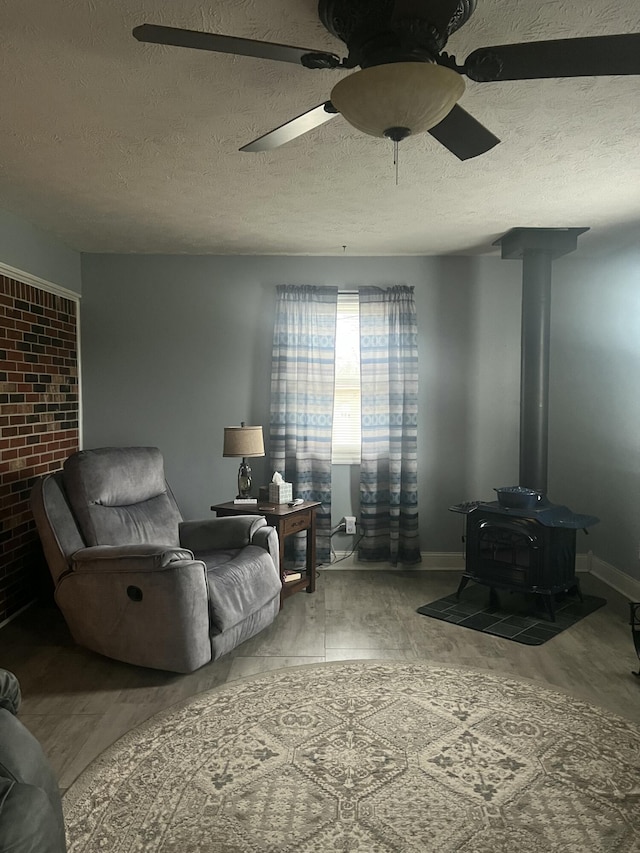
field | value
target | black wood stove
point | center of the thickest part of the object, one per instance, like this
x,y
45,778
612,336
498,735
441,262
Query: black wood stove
x,y
523,542
530,550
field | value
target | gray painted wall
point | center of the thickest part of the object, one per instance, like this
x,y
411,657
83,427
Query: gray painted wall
x,y
30,250
594,458
174,348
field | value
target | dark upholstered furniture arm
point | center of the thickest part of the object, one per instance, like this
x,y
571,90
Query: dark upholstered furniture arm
x,y
28,821
212,533
31,818
129,558
9,691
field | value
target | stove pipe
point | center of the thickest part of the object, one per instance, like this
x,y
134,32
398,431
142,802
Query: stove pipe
x,y
537,248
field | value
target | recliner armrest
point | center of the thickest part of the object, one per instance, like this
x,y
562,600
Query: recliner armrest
x,y
233,531
129,558
267,538
28,820
10,696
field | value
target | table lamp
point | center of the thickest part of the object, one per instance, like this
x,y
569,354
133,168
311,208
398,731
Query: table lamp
x,y
243,441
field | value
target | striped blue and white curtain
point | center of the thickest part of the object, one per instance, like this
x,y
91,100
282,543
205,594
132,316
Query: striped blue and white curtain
x,y
302,383
389,386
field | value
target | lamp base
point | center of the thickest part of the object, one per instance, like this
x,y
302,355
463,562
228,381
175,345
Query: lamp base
x,y
244,480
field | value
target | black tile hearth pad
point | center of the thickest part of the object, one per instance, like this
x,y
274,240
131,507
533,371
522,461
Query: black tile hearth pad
x,y
518,617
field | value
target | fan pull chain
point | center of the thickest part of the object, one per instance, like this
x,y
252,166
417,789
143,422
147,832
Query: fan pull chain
x,y
396,156
396,135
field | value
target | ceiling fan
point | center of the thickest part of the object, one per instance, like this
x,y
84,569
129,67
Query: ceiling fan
x,y
407,83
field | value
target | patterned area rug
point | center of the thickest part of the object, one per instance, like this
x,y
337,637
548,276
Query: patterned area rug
x,y
524,619
366,756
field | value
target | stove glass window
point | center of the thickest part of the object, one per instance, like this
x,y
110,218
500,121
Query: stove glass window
x,y
506,544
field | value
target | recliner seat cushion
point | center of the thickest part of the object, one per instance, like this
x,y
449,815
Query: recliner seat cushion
x,y
119,496
240,582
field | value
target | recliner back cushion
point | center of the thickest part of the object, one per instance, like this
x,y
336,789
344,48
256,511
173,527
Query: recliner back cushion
x,y
120,497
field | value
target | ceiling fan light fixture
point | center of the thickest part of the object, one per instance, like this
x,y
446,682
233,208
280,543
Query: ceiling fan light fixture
x,y
411,95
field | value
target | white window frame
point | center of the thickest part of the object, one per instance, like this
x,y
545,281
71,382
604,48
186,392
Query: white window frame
x,y
346,436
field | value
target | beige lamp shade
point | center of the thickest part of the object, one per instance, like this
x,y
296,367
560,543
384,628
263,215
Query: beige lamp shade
x,y
243,441
412,95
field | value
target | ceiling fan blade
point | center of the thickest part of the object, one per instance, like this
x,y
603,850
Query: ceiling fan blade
x,y
292,129
155,34
595,56
463,135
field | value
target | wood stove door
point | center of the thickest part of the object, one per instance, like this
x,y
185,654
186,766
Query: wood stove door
x,y
505,552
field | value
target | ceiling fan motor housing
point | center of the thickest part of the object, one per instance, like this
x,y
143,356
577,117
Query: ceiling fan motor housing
x,y
378,32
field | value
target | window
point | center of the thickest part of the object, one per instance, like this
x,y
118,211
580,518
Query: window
x,y
345,443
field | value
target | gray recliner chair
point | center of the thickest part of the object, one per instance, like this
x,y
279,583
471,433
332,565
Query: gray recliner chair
x,y
133,580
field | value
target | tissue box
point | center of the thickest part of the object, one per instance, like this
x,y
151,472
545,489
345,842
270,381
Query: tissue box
x,y
280,493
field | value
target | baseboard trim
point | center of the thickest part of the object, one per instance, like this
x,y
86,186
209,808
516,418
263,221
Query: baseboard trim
x,y
622,583
583,562
17,613
450,561
444,561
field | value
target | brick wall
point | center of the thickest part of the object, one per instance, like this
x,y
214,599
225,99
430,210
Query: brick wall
x,y
38,423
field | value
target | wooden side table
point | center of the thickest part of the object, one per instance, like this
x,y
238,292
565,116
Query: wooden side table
x,y
286,520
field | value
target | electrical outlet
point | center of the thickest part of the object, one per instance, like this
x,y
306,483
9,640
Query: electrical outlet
x,y
350,524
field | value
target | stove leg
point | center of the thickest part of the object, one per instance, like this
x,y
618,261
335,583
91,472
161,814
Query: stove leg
x,y
494,601
575,590
549,602
461,585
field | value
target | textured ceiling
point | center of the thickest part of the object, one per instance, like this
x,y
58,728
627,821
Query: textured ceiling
x,y
116,146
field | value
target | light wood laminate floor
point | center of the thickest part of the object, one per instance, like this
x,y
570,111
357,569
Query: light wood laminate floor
x,y
78,703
